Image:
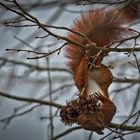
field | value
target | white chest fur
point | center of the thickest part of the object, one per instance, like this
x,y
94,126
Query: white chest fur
x,y
93,87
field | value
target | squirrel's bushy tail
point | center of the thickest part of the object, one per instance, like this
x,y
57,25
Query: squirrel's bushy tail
x,y
101,27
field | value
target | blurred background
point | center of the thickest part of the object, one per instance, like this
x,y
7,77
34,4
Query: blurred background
x,y
26,72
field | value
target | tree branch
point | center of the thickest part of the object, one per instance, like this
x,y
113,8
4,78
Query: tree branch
x,y
111,125
30,100
35,67
126,80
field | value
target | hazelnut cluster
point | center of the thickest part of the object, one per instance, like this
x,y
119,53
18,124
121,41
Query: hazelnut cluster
x,y
73,109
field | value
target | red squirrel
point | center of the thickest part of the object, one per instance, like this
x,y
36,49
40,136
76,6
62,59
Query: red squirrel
x,y
93,110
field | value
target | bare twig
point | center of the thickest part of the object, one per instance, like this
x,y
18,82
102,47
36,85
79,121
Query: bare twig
x,y
30,100
15,115
33,67
51,126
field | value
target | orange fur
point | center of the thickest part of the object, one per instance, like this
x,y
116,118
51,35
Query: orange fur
x,y
101,27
